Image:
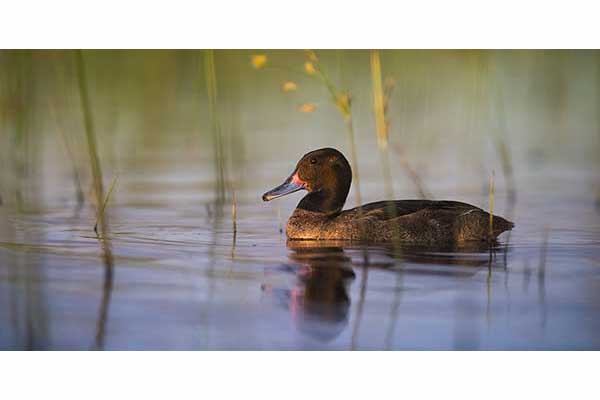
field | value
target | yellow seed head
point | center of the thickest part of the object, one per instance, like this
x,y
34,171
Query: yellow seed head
x,y
289,86
343,103
307,108
310,68
259,61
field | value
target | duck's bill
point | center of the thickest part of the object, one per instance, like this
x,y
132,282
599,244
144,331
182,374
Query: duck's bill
x,y
291,185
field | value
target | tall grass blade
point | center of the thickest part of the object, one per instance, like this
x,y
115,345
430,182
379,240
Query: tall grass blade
x,y
108,258
380,121
491,200
378,101
381,100
360,307
89,127
212,93
100,215
411,172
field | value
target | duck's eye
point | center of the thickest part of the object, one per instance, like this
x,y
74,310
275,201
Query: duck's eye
x,y
313,160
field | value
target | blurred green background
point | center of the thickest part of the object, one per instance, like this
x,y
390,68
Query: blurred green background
x,y
454,116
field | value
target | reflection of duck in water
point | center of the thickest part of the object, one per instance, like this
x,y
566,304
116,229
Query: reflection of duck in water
x,y
319,301
468,254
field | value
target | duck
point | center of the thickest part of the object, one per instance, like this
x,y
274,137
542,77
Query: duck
x,y
327,176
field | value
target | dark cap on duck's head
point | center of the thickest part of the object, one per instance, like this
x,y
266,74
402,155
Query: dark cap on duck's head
x,y
325,174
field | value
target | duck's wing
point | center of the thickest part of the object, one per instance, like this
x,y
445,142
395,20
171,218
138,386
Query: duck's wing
x,y
470,221
384,210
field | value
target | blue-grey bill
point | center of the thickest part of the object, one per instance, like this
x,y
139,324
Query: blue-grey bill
x,y
287,187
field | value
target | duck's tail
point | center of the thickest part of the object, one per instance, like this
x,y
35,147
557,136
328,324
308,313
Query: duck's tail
x,y
500,225
475,225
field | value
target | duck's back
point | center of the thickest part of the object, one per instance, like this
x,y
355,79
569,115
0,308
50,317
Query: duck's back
x,y
410,221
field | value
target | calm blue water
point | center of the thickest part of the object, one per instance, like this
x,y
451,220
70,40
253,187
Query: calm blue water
x,y
180,281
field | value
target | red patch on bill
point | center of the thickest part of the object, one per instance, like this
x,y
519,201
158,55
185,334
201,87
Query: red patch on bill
x,y
296,179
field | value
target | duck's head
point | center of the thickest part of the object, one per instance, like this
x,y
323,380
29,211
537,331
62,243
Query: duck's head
x,y
325,174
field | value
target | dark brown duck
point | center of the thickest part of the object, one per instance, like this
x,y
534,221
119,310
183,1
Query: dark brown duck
x,y
326,175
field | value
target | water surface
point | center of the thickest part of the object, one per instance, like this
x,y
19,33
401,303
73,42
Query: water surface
x,y
182,281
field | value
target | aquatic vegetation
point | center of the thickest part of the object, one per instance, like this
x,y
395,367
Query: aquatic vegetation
x,y
411,172
491,206
234,212
193,269
212,93
101,201
289,86
490,92
343,102
382,131
360,307
309,67
503,149
541,275
381,101
258,61
381,124
307,108
100,217
89,130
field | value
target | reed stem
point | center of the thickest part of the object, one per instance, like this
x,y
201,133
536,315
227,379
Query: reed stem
x,y
108,258
380,122
100,216
89,128
491,233
381,100
279,218
412,173
234,212
212,93
381,125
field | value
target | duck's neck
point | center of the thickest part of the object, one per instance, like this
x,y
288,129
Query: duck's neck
x,y
326,201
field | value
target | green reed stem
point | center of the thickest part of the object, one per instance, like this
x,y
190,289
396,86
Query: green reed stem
x,y
491,233
381,99
211,90
100,201
412,173
89,128
380,122
234,212
487,67
503,149
381,125
100,215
